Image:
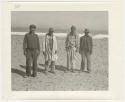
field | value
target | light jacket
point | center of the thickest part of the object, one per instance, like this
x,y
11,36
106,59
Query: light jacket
x,y
72,41
50,54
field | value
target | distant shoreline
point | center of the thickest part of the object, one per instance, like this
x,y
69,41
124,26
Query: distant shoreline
x,y
95,36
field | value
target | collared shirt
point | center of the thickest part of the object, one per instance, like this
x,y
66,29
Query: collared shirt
x,y
31,41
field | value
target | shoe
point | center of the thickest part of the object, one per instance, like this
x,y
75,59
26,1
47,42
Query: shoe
x,y
68,69
72,70
46,72
65,71
52,72
87,71
26,76
34,75
81,70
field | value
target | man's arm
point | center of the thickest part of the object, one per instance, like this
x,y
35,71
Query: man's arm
x,y
38,45
91,45
66,42
25,44
80,44
55,45
43,45
77,43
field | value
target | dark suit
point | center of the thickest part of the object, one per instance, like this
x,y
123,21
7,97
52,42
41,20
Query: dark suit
x,y
85,50
31,47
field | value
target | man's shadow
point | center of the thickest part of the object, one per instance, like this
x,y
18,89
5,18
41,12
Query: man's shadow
x,y
38,69
22,73
17,71
57,67
61,68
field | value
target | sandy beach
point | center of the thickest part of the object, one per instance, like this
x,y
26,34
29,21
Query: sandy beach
x,y
60,81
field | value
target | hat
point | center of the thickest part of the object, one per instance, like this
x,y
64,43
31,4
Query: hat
x,y
73,27
51,30
86,31
32,26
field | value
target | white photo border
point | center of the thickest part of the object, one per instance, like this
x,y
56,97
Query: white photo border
x,y
115,50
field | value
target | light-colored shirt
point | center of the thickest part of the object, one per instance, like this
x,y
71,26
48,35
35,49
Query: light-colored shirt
x,y
50,47
72,41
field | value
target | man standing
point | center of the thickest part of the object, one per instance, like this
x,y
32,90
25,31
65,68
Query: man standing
x,y
31,49
50,51
85,50
71,45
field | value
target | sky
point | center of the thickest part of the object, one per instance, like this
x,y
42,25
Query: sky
x,y
61,21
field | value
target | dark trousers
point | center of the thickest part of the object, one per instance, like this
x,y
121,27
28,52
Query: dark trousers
x,y
31,61
51,64
85,56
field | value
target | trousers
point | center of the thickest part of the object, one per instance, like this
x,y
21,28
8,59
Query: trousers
x,y
49,64
31,61
71,53
85,56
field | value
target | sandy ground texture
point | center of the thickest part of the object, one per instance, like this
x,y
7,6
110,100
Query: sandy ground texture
x,y
61,80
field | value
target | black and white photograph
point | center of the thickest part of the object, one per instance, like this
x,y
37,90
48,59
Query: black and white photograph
x,y
59,51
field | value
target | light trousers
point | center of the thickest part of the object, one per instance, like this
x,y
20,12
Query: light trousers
x,y
71,54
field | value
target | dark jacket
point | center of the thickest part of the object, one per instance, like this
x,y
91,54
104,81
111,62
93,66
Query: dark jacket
x,y
31,41
86,44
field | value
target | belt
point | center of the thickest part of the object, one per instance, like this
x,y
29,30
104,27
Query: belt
x,y
31,48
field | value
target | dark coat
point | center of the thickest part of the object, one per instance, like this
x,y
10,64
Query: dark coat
x,y
31,42
86,44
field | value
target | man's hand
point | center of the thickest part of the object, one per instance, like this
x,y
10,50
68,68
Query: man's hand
x,y
24,52
90,52
55,52
77,50
38,52
43,53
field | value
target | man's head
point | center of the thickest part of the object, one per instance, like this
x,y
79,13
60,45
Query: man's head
x,y
73,29
51,30
86,31
32,28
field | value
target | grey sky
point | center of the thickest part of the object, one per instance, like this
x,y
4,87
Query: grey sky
x,y
60,20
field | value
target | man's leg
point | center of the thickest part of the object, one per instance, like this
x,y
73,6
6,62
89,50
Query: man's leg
x,y
34,55
28,63
48,63
46,66
68,60
72,59
88,56
53,66
82,61
72,65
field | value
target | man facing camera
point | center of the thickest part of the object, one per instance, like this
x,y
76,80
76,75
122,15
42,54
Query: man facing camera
x,y
50,51
31,49
85,50
72,45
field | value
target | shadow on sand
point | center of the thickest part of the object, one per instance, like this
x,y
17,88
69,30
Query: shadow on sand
x,y
38,69
17,71
57,67
61,68
22,73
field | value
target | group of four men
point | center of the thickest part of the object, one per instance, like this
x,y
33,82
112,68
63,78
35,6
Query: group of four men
x,y
31,47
